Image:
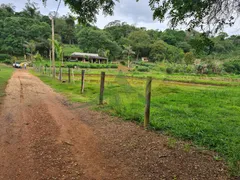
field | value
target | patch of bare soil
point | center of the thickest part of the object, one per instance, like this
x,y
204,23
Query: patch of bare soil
x,y
43,137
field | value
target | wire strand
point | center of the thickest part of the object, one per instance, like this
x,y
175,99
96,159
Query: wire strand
x,y
58,8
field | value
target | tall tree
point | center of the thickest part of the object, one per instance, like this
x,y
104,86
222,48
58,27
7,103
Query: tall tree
x,y
91,39
140,41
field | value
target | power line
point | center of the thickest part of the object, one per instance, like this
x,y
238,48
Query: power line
x,y
58,7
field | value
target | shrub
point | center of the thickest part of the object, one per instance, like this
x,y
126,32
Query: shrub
x,y
142,69
8,62
38,57
115,66
5,57
232,66
123,63
169,70
189,58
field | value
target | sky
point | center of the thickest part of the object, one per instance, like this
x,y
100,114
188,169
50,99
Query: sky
x,y
130,11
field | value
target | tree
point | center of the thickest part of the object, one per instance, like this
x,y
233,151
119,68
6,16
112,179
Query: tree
x,y
6,10
128,51
65,27
162,51
184,46
31,10
119,30
192,13
88,9
58,50
140,42
189,58
91,39
213,13
202,44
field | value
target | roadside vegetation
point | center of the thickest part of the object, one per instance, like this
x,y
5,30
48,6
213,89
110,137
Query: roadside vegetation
x,y
5,74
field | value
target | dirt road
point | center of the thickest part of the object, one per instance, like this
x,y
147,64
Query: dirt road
x,y
43,137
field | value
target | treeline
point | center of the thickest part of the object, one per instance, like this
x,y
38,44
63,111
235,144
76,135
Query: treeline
x,y
28,31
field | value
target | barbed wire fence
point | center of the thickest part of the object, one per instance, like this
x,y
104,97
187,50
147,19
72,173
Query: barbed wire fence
x,y
119,93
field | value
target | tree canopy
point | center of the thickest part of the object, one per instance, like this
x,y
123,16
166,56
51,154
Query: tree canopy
x,y
195,13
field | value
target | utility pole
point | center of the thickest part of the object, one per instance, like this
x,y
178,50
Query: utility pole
x,y
53,49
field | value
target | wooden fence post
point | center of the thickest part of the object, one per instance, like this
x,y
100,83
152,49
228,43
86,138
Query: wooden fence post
x,y
82,82
73,77
69,75
147,103
60,74
102,88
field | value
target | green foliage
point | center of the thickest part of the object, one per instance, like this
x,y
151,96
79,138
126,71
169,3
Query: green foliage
x,y
38,57
189,58
4,57
169,70
191,13
162,51
17,30
92,39
8,62
68,49
5,74
119,31
142,69
140,42
123,63
232,66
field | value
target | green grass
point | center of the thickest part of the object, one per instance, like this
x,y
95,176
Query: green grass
x,y
206,115
5,74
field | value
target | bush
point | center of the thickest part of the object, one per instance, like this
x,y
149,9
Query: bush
x,y
145,64
123,63
169,70
5,57
232,66
8,62
142,69
189,58
115,66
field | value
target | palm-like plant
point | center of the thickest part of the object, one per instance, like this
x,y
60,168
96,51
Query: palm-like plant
x,y
128,51
58,50
31,46
104,53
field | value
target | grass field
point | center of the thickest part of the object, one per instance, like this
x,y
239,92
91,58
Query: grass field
x,y
208,115
5,74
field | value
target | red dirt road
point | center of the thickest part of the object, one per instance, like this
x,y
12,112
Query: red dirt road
x,y
43,137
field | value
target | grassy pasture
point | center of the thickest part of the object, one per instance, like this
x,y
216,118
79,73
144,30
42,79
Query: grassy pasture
x,y
205,110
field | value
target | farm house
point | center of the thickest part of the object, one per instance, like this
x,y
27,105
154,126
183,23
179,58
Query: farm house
x,y
86,57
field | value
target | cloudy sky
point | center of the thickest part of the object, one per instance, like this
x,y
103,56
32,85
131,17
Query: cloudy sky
x,y
128,11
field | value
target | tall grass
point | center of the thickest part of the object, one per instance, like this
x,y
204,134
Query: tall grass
x,y
5,74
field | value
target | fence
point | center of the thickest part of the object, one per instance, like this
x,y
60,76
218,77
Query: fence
x,y
117,96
